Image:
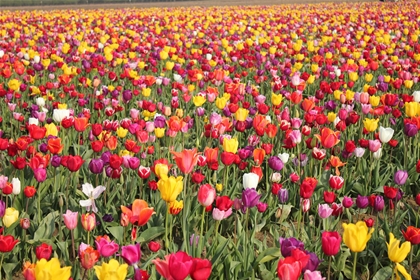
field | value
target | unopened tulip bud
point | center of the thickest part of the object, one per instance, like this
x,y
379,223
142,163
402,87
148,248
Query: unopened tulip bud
x,y
25,223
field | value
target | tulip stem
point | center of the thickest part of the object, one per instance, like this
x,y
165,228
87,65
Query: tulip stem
x,y
1,265
411,261
166,227
354,266
329,268
72,244
200,247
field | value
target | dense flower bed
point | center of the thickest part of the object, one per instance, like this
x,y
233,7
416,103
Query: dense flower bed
x,y
210,143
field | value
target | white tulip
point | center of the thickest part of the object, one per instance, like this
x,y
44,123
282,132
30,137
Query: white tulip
x,y
40,102
1,53
16,186
416,96
34,121
284,157
60,114
177,78
377,154
208,56
385,134
37,59
250,180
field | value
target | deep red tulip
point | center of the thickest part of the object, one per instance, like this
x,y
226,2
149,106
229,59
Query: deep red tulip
x,y
43,251
307,187
201,269
331,241
7,243
412,234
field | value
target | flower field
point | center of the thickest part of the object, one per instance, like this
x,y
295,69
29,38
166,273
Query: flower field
x,y
238,142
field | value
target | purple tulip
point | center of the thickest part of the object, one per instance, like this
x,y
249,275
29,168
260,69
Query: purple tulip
x,y
160,122
283,195
410,129
105,157
250,198
287,245
96,166
56,161
400,177
379,203
2,208
362,202
313,262
275,163
347,202
107,218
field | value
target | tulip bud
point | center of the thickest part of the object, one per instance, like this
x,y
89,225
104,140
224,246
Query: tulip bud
x,y
25,223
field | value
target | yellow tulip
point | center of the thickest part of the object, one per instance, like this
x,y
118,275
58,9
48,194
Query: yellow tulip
x,y
198,100
374,100
161,170
51,270
221,102
397,254
170,188
13,84
368,77
276,99
408,83
314,68
163,55
122,132
241,114
146,92
159,132
230,145
169,65
11,215
411,108
51,130
356,236
111,271
353,76
371,124
175,207
331,117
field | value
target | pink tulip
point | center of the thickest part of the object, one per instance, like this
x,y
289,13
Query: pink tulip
x,y
106,247
70,219
131,254
206,195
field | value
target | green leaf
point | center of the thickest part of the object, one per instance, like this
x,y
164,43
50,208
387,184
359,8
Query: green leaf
x,y
46,227
9,267
117,232
268,255
383,273
150,234
223,242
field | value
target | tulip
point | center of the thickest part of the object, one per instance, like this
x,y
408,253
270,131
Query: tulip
x,y
70,219
170,188
219,215
106,247
397,254
51,270
412,234
289,269
131,254
250,180
385,134
111,270
324,211
275,163
88,256
312,275
43,251
28,271
331,241
307,187
356,236
16,186
180,265
347,202
2,208
287,245
154,246
400,177
328,138
230,145
7,243
140,212
60,114
11,215
201,269
370,124
88,221
206,195
92,193
250,198
186,160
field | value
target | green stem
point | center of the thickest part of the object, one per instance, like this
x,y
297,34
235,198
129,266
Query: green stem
x,y
354,266
411,262
200,247
166,227
72,245
216,232
1,265
39,208
329,268
185,213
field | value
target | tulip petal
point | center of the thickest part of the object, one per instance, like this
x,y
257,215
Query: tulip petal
x,y
97,191
402,270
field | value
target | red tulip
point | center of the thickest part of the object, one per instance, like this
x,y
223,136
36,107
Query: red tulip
x,y
390,192
180,265
43,251
412,234
186,160
36,132
336,182
201,269
289,269
331,241
80,124
307,187
212,158
7,243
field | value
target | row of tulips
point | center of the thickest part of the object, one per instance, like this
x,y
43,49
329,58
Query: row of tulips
x,y
223,143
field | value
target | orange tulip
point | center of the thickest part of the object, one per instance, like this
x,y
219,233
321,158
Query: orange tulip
x,y
186,160
54,146
140,212
259,155
328,138
336,162
80,124
307,105
259,123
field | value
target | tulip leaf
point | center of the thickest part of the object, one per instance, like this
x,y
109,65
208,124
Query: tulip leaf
x,y
46,227
9,267
341,262
150,234
117,232
223,242
268,255
383,273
